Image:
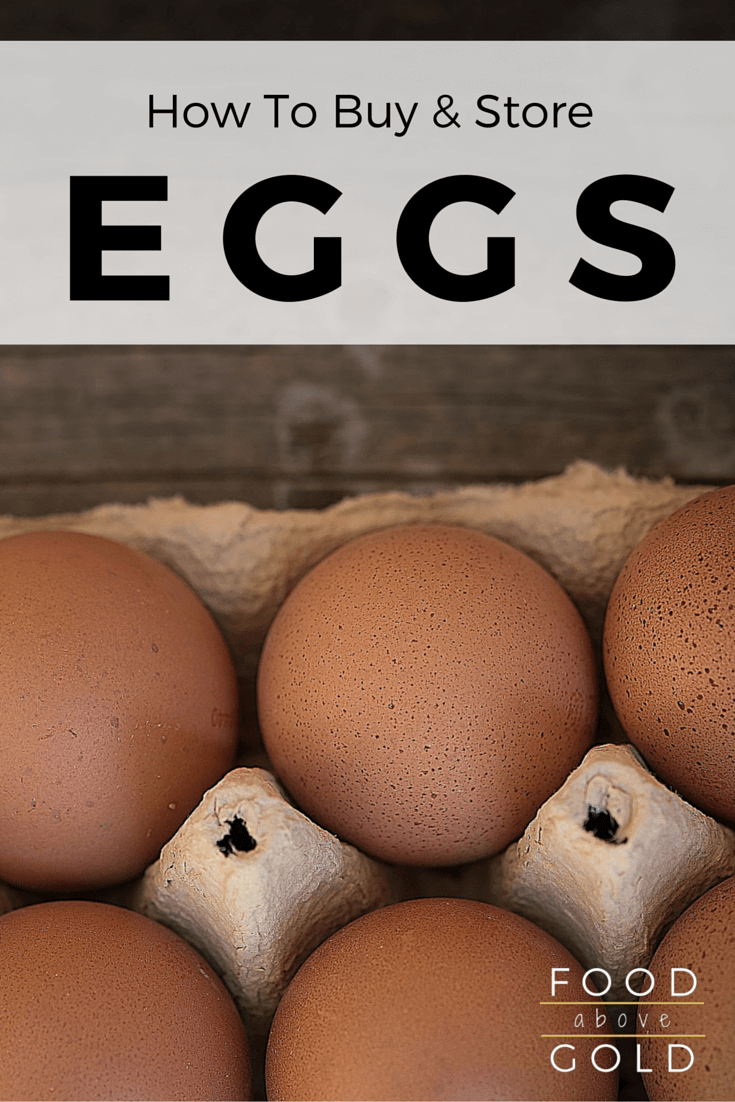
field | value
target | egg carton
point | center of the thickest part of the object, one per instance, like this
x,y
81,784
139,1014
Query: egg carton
x,y
606,865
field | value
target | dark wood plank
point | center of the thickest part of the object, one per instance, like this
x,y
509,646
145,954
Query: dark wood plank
x,y
381,19
303,426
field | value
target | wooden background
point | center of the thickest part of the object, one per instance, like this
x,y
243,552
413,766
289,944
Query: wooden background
x,y
303,426
390,19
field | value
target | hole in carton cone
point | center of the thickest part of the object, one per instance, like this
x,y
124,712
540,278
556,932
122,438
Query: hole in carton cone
x,y
237,838
602,824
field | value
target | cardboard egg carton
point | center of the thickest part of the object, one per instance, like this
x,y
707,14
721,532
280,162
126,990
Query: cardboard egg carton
x,y
243,561
256,886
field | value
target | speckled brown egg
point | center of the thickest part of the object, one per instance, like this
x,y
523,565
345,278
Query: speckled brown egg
x,y
701,1024
118,709
97,1002
669,650
423,690
433,999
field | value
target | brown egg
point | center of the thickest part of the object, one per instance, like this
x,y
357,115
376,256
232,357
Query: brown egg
x,y
118,709
433,999
701,1025
669,648
423,690
101,1003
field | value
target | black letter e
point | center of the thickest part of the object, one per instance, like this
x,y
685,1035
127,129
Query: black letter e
x,y
89,238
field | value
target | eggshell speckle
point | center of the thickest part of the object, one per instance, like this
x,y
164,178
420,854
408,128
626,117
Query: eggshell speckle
x,y
430,999
669,649
703,941
423,690
118,709
98,1002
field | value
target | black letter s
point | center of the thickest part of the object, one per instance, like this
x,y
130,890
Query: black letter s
x,y
654,252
